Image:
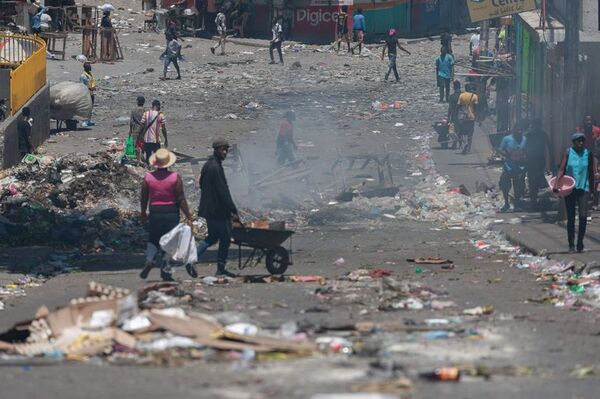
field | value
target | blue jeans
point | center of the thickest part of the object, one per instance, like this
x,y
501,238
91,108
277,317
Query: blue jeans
x,y
218,230
392,67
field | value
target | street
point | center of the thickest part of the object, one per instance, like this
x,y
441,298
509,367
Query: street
x,y
521,346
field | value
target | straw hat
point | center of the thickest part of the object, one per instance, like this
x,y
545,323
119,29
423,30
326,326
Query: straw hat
x,y
162,158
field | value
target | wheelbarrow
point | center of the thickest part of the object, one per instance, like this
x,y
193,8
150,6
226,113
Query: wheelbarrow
x,y
265,243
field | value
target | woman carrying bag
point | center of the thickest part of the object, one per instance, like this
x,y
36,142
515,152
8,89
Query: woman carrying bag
x,y
578,163
163,190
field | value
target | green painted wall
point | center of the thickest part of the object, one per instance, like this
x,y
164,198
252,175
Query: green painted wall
x,y
380,20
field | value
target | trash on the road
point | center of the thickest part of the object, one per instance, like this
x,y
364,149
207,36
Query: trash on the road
x,y
479,310
430,260
110,322
442,374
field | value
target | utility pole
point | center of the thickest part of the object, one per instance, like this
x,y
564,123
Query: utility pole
x,y
570,106
571,62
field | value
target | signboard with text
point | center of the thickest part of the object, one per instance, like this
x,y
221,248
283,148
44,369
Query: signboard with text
x,y
481,10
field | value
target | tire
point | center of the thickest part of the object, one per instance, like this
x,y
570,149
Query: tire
x,y
277,260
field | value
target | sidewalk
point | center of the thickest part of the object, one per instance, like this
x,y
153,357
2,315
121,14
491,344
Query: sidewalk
x,y
537,233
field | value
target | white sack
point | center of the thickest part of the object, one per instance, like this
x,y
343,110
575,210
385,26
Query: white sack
x,y
70,100
180,244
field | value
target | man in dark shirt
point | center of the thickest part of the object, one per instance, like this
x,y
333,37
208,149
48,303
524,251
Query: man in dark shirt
x,y
217,207
446,40
453,112
391,43
24,131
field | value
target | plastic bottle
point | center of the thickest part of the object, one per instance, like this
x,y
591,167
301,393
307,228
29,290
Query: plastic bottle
x,y
442,374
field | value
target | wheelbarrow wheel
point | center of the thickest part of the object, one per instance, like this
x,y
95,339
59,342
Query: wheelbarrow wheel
x,y
277,260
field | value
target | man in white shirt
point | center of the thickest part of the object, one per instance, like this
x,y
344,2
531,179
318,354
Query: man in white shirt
x,y
277,39
475,40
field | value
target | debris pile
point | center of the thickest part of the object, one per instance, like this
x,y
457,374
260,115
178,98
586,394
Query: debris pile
x,y
149,327
570,285
85,201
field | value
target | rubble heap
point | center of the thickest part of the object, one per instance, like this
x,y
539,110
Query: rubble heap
x,y
79,200
145,327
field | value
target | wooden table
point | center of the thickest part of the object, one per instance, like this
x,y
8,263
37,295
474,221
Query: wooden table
x,y
50,38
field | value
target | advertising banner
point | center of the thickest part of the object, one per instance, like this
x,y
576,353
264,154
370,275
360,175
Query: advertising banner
x,y
481,10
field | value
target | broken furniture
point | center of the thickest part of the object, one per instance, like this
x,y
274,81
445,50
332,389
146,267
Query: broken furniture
x,y
51,38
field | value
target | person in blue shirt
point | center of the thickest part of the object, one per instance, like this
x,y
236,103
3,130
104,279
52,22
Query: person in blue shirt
x,y
444,71
359,26
36,20
577,162
513,147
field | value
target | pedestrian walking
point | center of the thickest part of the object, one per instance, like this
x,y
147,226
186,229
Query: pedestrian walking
x,y
474,42
444,71
359,27
277,40
577,162
341,29
221,23
217,207
106,36
163,195
153,124
24,126
453,112
286,146
466,116
446,39
135,124
535,156
513,148
171,55
88,80
391,43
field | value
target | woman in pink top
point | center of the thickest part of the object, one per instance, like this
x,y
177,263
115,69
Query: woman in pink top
x,y
163,190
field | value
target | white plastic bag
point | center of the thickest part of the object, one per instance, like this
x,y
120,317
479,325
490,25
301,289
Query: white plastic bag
x,y
180,244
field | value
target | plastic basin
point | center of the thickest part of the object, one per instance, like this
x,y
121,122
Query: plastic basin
x,y
565,185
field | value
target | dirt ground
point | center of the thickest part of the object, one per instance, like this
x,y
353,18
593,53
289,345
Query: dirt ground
x,y
531,350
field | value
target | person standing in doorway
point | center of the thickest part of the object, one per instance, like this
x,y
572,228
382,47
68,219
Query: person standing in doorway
x,y
359,27
221,23
577,162
153,123
513,148
466,116
277,40
24,126
88,80
217,207
391,43
444,70
163,191
171,55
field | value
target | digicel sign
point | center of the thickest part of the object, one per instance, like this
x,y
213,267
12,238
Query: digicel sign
x,y
487,9
315,17
316,22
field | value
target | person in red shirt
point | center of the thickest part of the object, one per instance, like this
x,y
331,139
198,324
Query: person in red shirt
x,y
591,131
286,146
